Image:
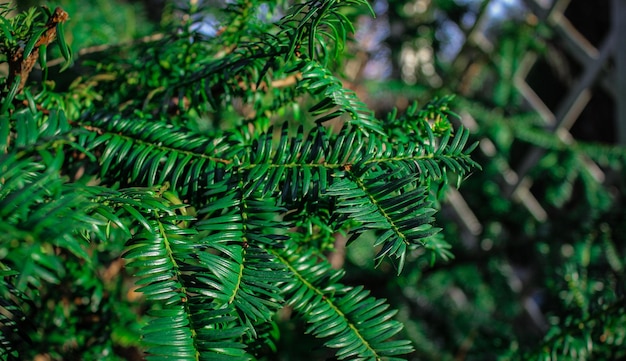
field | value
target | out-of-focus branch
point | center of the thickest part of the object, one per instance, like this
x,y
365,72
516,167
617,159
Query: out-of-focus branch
x,y
20,66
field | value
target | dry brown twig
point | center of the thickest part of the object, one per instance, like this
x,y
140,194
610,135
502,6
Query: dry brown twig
x,y
20,66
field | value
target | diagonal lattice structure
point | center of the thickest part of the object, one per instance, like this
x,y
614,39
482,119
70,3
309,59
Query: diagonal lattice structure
x,y
602,68
594,62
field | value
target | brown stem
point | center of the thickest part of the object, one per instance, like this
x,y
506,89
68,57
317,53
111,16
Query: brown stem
x,y
18,66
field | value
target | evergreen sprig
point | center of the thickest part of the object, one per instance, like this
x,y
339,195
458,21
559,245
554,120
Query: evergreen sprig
x,y
215,221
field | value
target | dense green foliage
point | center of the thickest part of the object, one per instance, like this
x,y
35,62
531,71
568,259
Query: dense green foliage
x,y
225,161
218,170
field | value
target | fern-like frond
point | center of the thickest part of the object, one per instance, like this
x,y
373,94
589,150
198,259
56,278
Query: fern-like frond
x,y
319,26
240,273
294,166
359,326
336,100
429,159
26,128
186,326
169,334
401,214
151,152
